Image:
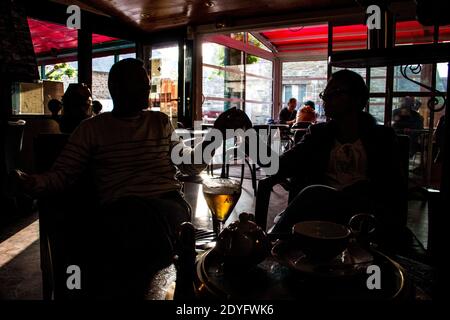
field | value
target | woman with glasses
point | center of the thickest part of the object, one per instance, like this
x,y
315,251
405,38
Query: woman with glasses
x,y
349,161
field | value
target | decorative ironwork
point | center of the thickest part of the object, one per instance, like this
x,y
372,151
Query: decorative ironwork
x,y
433,102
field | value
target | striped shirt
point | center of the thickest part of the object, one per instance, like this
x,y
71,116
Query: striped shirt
x,y
128,157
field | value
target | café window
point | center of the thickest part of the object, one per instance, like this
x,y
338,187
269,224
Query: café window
x,y
304,80
235,78
105,54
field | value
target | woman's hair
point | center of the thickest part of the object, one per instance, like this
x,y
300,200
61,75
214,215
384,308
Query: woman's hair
x,y
307,113
355,85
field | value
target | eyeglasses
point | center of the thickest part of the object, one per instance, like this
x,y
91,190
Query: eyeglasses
x,y
327,95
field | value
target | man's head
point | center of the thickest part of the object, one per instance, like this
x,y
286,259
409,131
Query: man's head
x,y
410,103
292,104
77,101
346,93
96,106
129,86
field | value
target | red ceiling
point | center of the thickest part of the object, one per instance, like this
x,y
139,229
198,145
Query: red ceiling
x,y
46,36
305,39
316,38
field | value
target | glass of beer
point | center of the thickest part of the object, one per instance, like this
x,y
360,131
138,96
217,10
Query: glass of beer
x,y
221,195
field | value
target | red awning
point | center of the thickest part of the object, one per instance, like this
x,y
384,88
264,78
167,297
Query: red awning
x,y
353,37
48,36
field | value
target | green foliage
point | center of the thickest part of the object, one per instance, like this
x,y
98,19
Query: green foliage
x,y
59,70
220,54
252,59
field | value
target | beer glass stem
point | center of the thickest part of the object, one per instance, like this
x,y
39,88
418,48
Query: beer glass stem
x,y
217,227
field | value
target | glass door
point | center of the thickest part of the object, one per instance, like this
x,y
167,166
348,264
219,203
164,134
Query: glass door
x,y
164,74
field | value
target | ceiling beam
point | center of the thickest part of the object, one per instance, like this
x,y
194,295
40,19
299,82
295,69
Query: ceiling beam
x,y
270,22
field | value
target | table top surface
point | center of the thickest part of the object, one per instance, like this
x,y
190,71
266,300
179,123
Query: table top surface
x,y
274,279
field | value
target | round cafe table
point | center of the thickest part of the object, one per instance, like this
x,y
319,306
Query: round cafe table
x,y
272,279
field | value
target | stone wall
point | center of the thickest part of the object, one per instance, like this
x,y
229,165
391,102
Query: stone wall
x,y
100,85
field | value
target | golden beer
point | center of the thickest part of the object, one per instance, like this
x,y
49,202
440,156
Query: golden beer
x,y
221,195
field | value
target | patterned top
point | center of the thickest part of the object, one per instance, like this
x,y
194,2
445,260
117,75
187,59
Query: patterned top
x,y
347,165
128,156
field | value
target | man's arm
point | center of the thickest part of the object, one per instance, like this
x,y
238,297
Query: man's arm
x,y
282,118
68,166
189,159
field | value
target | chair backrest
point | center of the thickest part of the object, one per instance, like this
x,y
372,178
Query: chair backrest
x,y
62,221
302,125
47,147
298,135
240,117
13,143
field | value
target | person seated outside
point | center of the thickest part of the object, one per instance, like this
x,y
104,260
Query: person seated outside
x,y
407,120
77,106
96,107
306,115
407,117
288,114
349,161
128,153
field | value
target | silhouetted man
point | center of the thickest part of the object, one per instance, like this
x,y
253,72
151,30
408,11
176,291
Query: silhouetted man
x,y
128,152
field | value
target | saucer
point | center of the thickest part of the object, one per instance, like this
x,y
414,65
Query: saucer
x,y
351,262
